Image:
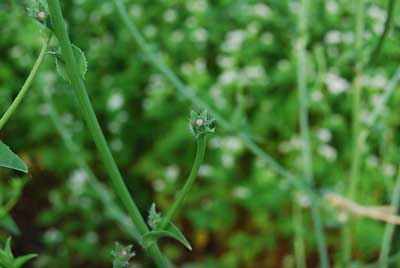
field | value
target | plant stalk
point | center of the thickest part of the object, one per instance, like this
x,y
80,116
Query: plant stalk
x,y
25,88
356,129
201,148
95,130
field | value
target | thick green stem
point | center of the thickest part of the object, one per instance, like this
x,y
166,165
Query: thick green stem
x,y
95,130
25,88
201,148
356,126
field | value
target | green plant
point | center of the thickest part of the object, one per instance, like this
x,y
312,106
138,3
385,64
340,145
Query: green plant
x,y
7,259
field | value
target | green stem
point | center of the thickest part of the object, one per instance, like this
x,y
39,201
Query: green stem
x,y
201,148
189,94
302,74
389,230
95,130
298,226
25,88
102,192
356,150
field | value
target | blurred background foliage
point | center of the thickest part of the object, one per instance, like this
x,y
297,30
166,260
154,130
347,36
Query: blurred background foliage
x,y
239,213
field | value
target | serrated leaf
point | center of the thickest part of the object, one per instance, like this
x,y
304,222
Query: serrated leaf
x,y
171,232
80,60
10,160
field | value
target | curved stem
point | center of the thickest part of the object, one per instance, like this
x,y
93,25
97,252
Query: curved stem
x,y
25,88
201,148
89,115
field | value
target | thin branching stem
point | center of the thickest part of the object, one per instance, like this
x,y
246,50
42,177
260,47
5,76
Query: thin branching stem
x,y
189,94
89,115
25,88
201,148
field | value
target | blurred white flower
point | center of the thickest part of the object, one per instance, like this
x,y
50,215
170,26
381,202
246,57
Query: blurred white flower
x,y
348,37
227,160
150,31
136,11
342,217
324,135
116,145
197,5
53,236
262,10
267,38
241,192
232,143
389,170
205,170
228,77
172,173
372,161
233,41
158,185
170,15
115,101
333,37
376,13
335,83
316,96
254,72
200,35
332,7
78,180
328,152
225,62
303,200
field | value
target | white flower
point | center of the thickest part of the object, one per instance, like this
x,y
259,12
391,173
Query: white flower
x,y
150,31
267,38
377,13
389,170
316,96
335,83
172,173
324,135
262,10
115,101
170,15
254,72
333,37
205,170
232,143
158,185
228,77
328,152
197,5
227,160
225,62
332,6
136,11
372,161
233,41
241,192
200,35
116,145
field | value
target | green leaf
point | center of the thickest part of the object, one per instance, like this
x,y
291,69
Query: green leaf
x,y
9,224
18,262
171,232
10,160
80,60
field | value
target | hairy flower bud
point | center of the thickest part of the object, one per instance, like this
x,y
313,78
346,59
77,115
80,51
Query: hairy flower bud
x,y
201,123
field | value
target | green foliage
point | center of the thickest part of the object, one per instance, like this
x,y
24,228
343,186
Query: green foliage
x,y
10,160
122,255
7,259
80,61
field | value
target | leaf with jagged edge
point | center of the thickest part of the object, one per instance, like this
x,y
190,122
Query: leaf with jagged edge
x,y
80,61
171,232
10,160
